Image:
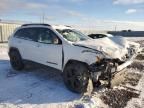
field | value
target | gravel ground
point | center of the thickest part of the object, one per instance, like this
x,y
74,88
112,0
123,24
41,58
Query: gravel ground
x,y
137,65
140,57
118,98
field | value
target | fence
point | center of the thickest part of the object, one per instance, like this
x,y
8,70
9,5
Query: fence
x,y
6,29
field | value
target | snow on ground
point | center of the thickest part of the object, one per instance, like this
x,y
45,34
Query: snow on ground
x,y
43,87
138,102
35,86
135,38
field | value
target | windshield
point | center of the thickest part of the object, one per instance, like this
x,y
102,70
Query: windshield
x,y
73,35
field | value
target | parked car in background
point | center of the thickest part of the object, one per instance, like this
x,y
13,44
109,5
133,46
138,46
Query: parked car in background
x,y
96,36
78,56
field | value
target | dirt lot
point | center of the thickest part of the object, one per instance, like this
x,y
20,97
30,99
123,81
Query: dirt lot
x,y
43,87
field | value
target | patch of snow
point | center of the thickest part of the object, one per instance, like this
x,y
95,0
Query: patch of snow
x,y
35,87
135,38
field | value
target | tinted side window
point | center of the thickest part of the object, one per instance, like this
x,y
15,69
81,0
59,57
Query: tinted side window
x,y
27,33
20,33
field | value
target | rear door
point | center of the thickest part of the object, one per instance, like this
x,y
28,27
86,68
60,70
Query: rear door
x,y
25,41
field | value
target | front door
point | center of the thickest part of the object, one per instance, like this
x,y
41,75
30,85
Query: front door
x,y
49,48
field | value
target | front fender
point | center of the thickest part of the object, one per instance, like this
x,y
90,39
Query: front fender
x,y
90,56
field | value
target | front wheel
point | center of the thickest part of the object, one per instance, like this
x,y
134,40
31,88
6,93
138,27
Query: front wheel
x,y
76,77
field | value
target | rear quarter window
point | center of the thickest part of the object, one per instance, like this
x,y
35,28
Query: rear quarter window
x,y
27,33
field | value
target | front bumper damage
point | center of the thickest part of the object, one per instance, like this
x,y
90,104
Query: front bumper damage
x,y
106,68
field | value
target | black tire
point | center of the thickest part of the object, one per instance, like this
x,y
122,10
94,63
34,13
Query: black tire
x,y
16,60
76,77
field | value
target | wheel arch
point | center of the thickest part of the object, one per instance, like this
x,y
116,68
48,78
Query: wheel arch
x,y
13,49
75,61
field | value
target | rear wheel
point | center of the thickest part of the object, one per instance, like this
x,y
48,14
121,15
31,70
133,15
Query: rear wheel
x,y
76,77
16,60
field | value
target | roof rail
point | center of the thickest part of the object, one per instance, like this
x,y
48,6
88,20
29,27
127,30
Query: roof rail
x,y
36,24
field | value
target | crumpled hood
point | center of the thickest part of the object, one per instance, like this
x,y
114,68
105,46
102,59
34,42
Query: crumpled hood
x,y
114,47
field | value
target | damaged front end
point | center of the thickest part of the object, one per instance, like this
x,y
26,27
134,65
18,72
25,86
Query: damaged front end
x,y
103,70
113,55
106,68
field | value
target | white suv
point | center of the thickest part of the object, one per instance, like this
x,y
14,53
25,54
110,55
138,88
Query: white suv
x,y
78,56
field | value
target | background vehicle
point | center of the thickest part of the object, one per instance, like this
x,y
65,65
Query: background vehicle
x,y
96,36
78,56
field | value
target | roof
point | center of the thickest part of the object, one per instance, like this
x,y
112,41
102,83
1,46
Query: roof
x,y
48,25
36,24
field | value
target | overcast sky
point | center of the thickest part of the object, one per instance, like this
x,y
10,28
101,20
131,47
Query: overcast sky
x,y
75,11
